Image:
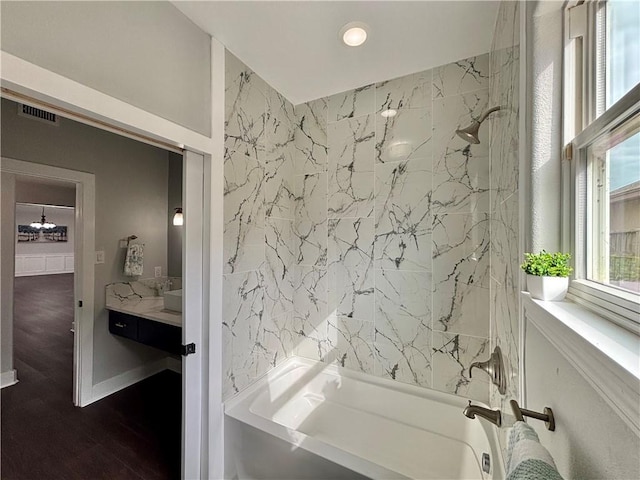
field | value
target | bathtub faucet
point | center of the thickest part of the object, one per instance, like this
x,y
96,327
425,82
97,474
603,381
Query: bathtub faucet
x,y
494,367
493,416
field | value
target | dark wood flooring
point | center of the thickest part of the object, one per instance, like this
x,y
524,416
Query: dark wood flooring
x,y
133,434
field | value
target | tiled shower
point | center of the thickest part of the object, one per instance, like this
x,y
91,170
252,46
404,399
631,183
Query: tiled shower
x,y
358,227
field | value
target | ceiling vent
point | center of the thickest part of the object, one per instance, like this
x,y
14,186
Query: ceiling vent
x,y
37,114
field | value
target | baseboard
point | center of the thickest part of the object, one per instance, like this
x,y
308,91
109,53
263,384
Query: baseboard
x,y
40,274
8,378
126,379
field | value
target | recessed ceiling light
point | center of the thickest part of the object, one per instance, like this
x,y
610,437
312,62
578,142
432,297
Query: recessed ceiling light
x,y
389,113
354,34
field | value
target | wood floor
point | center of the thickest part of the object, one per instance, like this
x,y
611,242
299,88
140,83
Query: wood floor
x,y
133,434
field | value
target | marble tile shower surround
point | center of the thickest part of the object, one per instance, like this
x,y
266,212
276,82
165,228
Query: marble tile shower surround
x,y
407,229
356,238
505,274
259,243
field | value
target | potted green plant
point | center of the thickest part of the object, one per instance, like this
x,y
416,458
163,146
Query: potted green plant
x,y
547,275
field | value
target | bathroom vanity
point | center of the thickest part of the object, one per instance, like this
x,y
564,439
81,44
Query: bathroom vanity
x,y
137,311
150,331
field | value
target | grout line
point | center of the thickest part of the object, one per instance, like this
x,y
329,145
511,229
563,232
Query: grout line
x,y
453,334
432,215
377,370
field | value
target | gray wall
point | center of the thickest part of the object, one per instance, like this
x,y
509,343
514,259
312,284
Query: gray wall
x,y
174,198
147,54
7,237
131,198
29,192
591,441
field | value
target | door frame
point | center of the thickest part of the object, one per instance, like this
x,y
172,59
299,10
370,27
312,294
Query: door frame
x,y
28,83
193,307
83,266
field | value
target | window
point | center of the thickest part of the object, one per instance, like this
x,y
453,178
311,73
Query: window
x,y
602,128
614,214
621,73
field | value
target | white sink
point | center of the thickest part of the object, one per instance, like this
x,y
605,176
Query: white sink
x,y
173,300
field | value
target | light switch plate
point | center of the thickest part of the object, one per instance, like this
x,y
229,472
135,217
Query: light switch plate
x,y
99,257
157,272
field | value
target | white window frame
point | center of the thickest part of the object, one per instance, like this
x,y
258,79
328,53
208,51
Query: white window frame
x,y
582,128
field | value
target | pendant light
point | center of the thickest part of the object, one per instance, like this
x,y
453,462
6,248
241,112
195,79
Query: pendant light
x,y
42,223
178,219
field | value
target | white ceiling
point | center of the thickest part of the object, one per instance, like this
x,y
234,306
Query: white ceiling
x,y
294,45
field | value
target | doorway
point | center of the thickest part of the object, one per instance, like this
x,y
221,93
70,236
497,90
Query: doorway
x,y
145,223
78,188
145,418
43,313
203,407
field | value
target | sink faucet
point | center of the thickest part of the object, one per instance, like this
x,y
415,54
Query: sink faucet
x,y
163,286
493,416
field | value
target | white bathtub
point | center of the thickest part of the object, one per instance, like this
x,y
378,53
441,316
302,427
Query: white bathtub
x,y
375,427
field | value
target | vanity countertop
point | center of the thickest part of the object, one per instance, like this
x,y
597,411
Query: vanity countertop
x,y
151,308
135,299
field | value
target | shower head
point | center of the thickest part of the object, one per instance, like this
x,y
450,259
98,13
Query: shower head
x,y
470,133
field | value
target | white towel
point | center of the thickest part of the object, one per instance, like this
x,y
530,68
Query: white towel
x,y
527,459
133,262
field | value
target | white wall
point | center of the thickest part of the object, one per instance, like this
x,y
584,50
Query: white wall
x,y
131,198
25,214
137,52
591,441
544,137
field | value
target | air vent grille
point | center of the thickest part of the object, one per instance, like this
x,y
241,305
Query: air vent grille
x,y
38,114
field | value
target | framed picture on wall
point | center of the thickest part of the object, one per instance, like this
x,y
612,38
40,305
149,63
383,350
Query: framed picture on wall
x,y
29,234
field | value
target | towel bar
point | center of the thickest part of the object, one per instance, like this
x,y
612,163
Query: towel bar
x,y
546,417
127,241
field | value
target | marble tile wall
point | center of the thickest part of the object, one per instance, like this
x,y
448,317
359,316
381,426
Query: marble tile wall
x,y
259,243
392,229
504,276
360,238
130,292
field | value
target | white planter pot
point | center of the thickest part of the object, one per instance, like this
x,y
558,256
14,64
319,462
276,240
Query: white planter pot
x,y
547,288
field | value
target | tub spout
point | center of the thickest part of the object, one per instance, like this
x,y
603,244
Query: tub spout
x,y
494,416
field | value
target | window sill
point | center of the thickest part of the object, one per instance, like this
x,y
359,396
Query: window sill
x,y
605,354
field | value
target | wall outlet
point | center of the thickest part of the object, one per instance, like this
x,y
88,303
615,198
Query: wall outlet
x,y
157,272
99,257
